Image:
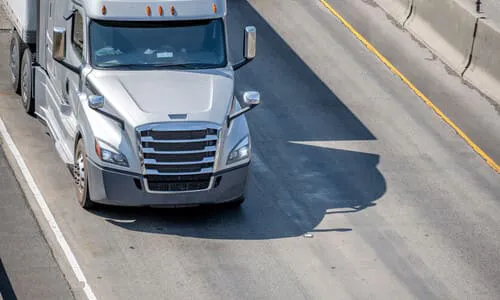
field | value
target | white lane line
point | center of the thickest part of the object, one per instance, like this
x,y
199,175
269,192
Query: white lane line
x,y
49,217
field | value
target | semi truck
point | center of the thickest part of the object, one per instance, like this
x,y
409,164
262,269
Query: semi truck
x,y
139,97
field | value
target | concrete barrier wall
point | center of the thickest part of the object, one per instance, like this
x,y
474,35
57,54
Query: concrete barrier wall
x,y
446,27
484,70
466,41
398,9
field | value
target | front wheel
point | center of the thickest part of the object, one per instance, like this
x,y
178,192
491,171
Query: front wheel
x,y
81,176
26,82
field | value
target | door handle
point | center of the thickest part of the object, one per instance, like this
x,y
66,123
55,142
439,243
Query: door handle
x,y
65,96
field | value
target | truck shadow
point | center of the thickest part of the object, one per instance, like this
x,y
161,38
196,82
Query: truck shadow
x,y
6,290
299,174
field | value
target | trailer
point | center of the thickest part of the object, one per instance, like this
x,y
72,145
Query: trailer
x,y
138,96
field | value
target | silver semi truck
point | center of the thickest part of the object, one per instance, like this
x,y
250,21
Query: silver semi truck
x,y
138,96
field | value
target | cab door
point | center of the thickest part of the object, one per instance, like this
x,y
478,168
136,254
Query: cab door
x,y
71,81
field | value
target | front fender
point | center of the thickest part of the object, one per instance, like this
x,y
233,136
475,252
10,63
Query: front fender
x,y
94,125
233,135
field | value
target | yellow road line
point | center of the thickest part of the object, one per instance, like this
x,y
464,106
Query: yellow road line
x,y
427,101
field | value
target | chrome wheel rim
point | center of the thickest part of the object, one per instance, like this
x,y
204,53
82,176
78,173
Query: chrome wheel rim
x,y
79,173
24,84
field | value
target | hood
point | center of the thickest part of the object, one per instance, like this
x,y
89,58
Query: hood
x,y
142,97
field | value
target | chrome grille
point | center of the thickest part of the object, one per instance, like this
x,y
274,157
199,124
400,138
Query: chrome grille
x,y
179,184
178,157
180,145
179,135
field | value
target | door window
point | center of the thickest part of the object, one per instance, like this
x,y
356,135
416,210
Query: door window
x,y
77,35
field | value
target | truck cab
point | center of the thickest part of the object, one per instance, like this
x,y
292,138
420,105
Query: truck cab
x,y
139,97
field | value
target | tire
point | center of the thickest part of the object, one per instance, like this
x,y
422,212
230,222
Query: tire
x,y
26,81
17,48
81,177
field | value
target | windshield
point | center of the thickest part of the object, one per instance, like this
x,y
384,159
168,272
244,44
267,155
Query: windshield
x,y
173,44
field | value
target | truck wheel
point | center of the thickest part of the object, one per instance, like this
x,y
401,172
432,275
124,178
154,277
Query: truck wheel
x,y
16,51
26,82
81,176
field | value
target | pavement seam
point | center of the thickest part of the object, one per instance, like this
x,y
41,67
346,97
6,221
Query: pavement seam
x,y
421,95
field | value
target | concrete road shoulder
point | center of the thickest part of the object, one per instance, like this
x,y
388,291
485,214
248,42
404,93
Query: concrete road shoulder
x,y
28,269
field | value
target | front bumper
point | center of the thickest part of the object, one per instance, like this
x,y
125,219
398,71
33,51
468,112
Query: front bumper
x,y
114,187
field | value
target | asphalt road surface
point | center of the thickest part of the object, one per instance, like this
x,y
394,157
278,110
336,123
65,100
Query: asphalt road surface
x,y
358,190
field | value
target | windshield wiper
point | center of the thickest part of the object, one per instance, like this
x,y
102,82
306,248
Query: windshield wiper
x,y
186,66
190,66
119,66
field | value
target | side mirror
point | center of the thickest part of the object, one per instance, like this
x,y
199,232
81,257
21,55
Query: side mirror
x,y
251,99
250,42
59,44
96,102
250,47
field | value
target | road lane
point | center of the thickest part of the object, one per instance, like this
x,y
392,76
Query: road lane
x,y
397,205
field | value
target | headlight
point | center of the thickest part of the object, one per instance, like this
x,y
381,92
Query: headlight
x,y
240,152
106,154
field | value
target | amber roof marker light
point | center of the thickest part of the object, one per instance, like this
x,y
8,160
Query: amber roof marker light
x,y
214,8
160,10
148,11
172,10
104,11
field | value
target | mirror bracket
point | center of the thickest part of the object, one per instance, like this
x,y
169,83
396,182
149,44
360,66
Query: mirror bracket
x,y
74,69
71,15
241,63
251,99
231,117
96,103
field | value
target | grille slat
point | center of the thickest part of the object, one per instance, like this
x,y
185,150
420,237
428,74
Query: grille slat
x,y
179,135
157,173
204,160
194,146
178,160
179,168
178,186
152,151
148,139
175,178
190,157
